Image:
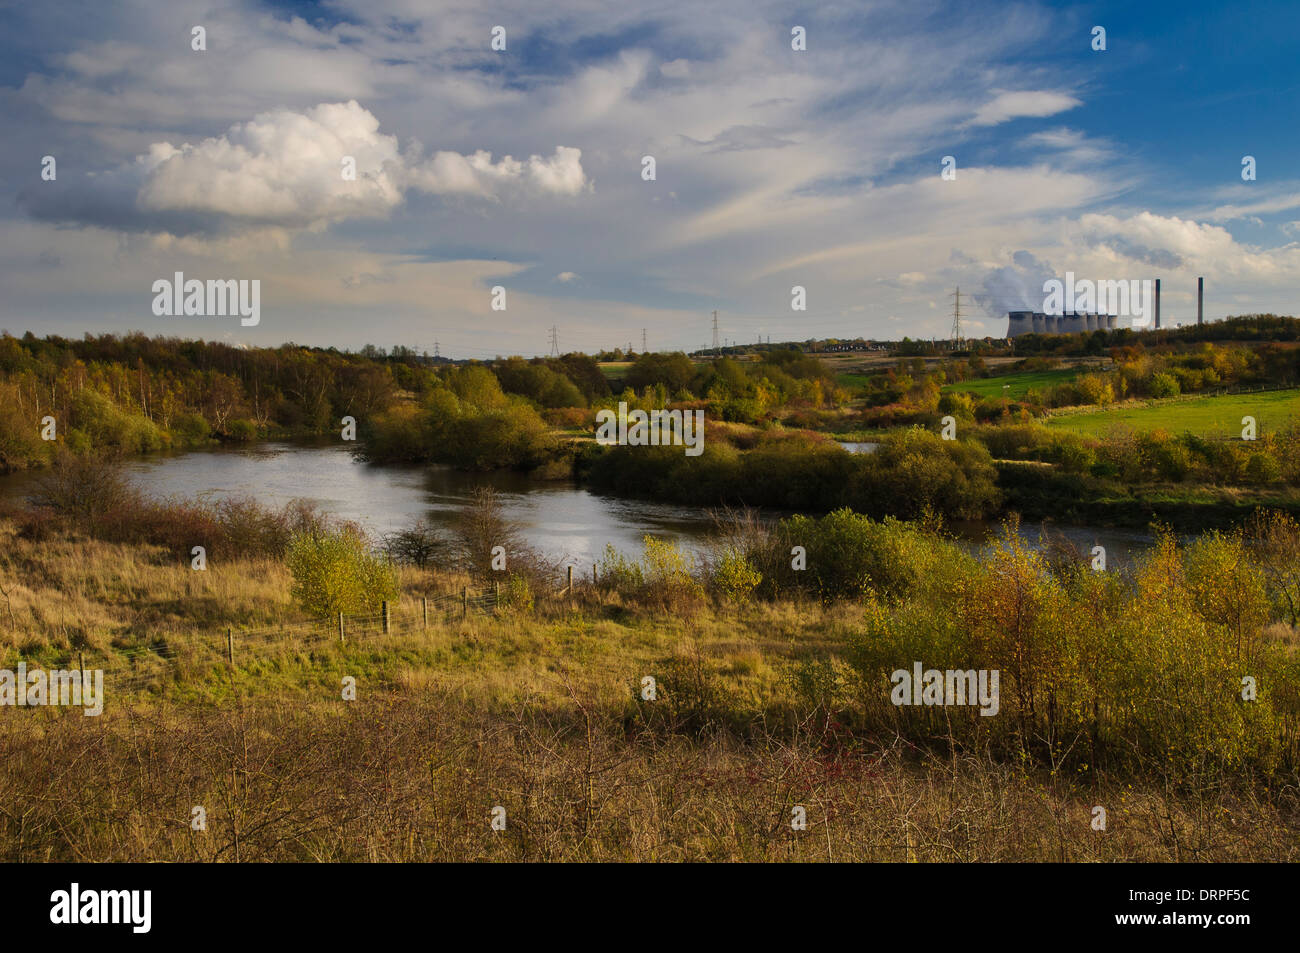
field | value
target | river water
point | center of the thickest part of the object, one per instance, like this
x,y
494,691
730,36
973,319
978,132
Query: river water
x,y
559,519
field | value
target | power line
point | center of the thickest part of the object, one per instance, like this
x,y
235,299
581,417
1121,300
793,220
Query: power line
x,y
715,330
555,342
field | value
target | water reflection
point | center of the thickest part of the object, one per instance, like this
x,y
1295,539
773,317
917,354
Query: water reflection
x,y
560,519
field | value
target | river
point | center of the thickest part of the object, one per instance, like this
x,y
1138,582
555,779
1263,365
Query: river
x,y
560,519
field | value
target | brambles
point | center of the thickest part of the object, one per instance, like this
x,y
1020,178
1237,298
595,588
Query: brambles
x,y
1274,540
419,545
88,492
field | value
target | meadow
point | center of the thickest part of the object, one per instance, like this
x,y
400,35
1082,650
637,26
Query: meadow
x,y
1014,386
1203,415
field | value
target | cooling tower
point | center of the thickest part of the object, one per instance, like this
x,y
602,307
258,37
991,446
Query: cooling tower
x,y
1035,322
1019,322
1157,304
1200,300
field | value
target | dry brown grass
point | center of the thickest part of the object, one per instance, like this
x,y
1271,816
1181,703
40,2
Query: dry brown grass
x,y
414,776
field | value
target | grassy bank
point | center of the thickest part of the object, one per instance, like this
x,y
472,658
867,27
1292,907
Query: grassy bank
x,y
771,690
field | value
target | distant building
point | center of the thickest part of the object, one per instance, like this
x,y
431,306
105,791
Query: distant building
x,y
1036,322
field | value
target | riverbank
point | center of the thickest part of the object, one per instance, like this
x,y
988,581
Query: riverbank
x,y
565,519
754,706
1038,492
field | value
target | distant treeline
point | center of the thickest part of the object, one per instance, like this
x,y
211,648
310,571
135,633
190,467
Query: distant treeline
x,y
1249,327
134,394
503,414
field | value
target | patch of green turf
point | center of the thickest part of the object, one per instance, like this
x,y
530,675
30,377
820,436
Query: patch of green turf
x,y
1207,416
1017,385
851,380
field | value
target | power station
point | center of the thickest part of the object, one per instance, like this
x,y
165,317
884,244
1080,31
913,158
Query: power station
x,y
1037,322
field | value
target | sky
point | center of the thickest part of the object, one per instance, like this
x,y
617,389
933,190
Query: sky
x,y
524,168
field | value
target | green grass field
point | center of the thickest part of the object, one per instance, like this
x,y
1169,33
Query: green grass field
x,y
1212,415
614,371
1017,385
851,380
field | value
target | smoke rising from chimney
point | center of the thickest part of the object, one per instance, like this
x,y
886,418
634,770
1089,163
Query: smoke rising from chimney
x,y
1015,287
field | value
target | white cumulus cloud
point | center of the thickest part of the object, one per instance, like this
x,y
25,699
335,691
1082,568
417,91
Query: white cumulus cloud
x,y
287,169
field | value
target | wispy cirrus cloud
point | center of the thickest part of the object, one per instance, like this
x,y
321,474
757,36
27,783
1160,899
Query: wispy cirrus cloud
x,y
774,167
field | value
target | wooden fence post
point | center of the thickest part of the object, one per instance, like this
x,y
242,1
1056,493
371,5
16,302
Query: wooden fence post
x,y
230,646
341,639
496,593
464,602
387,619
81,665
569,587
594,580
424,610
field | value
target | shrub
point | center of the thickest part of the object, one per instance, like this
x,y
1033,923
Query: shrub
x,y
516,594
850,555
335,572
190,429
418,545
669,582
242,431
915,472
105,425
1163,385
958,403
85,490
481,527
734,576
1262,467
619,573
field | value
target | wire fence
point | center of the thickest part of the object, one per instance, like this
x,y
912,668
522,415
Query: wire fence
x,y
154,664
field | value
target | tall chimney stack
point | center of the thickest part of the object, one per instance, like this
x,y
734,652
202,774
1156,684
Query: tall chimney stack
x,y
1200,300
1157,304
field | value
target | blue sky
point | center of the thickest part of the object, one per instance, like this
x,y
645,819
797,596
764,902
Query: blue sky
x,y
522,168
